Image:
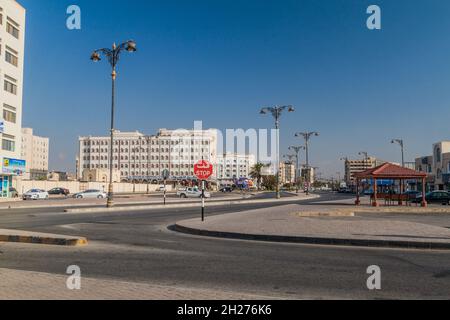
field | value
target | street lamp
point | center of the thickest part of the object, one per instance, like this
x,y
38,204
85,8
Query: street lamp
x,y
276,113
400,143
297,149
290,159
307,136
113,56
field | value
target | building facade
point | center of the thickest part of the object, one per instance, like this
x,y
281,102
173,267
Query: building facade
x,y
142,158
12,46
287,172
436,166
35,152
232,166
354,166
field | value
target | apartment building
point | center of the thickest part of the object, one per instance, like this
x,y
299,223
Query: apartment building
x,y
232,166
142,158
287,173
355,166
35,152
12,45
437,166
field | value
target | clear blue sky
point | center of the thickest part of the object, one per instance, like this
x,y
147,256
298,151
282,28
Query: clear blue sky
x,y
220,61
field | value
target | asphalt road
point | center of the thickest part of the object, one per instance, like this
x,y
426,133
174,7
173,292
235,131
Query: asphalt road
x,y
137,246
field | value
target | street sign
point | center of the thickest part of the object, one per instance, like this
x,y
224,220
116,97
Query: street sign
x,y
203,170
165,174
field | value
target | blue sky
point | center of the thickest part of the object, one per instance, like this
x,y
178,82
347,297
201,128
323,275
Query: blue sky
x,y
221,61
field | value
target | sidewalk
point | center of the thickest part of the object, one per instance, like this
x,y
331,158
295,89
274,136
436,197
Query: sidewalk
x,y
296,223
26,285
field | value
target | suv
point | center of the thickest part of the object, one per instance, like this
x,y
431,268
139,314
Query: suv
x,y
192,193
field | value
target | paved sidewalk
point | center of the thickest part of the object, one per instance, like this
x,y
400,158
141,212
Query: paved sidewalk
x,y
286,224
26,285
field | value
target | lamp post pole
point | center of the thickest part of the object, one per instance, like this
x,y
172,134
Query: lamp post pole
x,y
402,146
306,136
276,113
113,56
297,168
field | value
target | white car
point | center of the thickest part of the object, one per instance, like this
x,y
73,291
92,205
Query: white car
x,y
35,194
97,194
192,193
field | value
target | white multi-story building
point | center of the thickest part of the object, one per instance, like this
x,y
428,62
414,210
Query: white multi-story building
x,y
35,153
232,166
143,158
436,166
12,45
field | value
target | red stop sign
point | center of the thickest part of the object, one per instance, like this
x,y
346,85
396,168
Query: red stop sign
x,y
203,170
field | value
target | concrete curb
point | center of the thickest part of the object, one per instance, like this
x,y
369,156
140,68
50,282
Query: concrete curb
x,y
186,205
39,238
313,240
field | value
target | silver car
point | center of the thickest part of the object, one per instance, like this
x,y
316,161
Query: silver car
x,y
35,194
192,193
90,194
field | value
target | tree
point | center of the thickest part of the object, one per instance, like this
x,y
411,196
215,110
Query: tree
x,y
256,173
269,182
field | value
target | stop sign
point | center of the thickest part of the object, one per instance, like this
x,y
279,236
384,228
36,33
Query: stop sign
x,y
203,170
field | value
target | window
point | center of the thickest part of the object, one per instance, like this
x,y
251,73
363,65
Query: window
x,y
8,143
12,28
10,85
11,56
9,113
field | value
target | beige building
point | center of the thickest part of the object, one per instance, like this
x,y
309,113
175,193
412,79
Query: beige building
x,y
355,166
436,166
287,173
138,157
99,175
12,47
35,152
231,166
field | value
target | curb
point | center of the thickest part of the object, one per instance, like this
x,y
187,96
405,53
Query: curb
x,y
313,240
186,205
47,240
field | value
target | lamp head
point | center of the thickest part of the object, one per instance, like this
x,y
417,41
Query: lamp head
x,y
131,46
95,57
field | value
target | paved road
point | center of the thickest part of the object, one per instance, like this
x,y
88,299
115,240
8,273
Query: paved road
x,y
138,247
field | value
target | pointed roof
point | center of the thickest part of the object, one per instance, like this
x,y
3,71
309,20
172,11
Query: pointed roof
x,y
390,171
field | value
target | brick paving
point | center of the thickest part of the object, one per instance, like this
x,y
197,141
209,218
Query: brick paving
x,y
27,285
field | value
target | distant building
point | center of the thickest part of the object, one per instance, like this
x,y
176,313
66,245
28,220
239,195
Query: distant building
x,y
61,176
355,166
232,166
142,158
287,173
99,175
35,152
437,166
12,48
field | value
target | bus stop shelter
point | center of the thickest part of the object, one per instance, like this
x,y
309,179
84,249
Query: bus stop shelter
x,y
392,172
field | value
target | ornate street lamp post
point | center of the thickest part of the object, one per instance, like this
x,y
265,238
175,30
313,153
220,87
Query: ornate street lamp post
x,y
276,113
307,136
297,149
113,56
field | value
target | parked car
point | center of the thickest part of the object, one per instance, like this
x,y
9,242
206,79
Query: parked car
x,y
192,193
226,189
412,194
442,197
90,194
59,191
35,194
13,192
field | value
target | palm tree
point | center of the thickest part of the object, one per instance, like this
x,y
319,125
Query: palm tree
x,y
256,173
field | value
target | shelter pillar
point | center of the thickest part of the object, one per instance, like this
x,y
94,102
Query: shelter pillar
x,y
375,193
358,201
424,200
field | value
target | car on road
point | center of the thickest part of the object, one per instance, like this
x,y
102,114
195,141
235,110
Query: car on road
x,y
35,194
226,189
90,194
440,197
13,193
192,193
59,191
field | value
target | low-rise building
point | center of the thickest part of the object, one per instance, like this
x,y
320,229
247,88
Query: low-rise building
x,y
437,166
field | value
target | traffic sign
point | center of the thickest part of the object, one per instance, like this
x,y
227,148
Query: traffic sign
x,y
203,170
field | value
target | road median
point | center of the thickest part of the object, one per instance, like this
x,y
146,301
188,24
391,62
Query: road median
x,y
19,236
